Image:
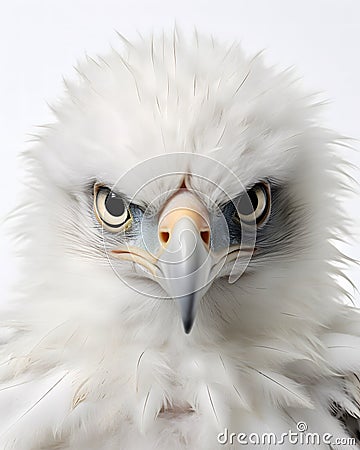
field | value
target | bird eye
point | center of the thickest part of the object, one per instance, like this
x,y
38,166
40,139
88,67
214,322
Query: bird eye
x,y
110,209
255,206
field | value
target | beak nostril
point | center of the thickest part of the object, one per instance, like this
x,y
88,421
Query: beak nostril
x,y
164,236
205,236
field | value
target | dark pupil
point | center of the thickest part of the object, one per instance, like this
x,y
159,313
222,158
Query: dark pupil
x,y
114,205
248,203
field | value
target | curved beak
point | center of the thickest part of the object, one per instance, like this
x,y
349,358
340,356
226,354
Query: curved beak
x,y
185,260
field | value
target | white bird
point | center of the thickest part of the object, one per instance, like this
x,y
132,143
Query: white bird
x,y
180,277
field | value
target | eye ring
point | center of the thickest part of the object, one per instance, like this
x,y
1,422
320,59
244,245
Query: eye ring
x,y
255,206
111,210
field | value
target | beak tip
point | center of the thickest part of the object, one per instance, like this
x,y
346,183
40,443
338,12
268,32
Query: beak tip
x,y
188,324
188,306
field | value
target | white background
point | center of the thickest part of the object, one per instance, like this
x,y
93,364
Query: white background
x,y
40,41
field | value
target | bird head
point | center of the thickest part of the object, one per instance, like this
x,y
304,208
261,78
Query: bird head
x,y
183,174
